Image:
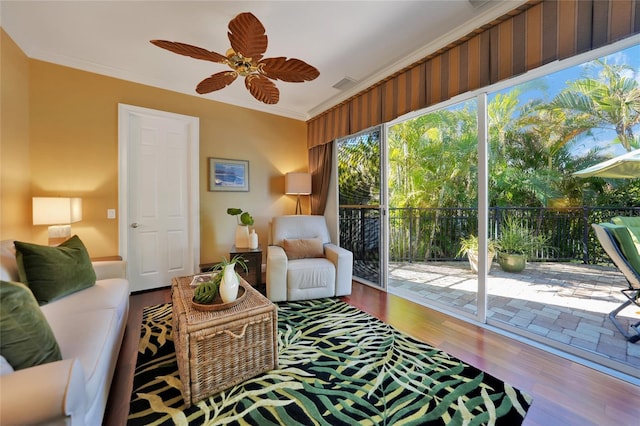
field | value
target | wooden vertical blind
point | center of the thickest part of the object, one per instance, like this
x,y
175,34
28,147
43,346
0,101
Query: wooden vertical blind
x,y
534,34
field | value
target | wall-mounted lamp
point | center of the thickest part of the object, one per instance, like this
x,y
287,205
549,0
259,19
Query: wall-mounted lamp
x,y
59,212
297,184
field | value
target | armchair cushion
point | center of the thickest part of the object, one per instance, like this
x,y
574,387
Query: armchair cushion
x,y
311,279
303,248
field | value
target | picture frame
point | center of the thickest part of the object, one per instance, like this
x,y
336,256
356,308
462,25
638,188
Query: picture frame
x,y
225,174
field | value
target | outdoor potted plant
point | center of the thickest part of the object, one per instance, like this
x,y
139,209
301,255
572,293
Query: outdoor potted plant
x,y
469,246
242,229
516,243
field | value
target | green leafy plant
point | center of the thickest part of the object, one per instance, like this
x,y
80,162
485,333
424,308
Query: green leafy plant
x,y
219,267
516,238
206,291
469,247
470,243
244,218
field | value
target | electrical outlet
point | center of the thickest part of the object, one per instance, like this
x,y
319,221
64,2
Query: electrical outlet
x,y
111,213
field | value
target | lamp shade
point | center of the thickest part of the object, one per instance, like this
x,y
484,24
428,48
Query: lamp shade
x,y
297,183
56,210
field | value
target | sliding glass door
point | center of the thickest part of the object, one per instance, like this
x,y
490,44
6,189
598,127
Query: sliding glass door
x,y
361,203
433,204
419,194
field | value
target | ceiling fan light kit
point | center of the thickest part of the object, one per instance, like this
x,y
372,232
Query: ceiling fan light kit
x,y
245,58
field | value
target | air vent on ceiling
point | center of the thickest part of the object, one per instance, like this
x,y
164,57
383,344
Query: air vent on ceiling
x,y
478,3
345,84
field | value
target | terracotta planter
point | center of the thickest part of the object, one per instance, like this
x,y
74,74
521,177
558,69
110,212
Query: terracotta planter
x,y
512,262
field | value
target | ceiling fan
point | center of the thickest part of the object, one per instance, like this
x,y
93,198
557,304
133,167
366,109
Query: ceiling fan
x,y
245,58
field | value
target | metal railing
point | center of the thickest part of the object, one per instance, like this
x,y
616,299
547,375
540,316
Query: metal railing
x,y
418,235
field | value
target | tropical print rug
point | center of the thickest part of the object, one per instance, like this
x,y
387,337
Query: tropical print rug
x,y
337,366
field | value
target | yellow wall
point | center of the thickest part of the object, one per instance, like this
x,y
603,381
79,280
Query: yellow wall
x,y
73,138
15,206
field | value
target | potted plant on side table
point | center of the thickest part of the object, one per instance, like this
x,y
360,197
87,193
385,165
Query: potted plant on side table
x,y
469,246
516,243
242,229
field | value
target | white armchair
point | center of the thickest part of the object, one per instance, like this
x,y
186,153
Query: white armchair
x,y
302,263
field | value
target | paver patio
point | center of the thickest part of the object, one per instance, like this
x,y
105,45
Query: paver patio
x,y
566,302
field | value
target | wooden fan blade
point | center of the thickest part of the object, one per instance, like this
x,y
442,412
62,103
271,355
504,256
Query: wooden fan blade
x,y
216,82
247,36
291,70
189,50
262,88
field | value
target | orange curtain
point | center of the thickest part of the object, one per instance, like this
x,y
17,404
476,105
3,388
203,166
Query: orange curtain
x,y
320,168
334,124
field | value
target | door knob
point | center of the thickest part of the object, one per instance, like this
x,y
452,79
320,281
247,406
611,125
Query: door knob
x,y
135,225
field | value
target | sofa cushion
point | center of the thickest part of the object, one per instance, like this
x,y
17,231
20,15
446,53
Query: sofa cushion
x,y
26,338
8,265
92,337
112,293
303,248
54,272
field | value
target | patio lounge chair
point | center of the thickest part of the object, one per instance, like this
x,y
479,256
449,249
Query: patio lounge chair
x,y
617,241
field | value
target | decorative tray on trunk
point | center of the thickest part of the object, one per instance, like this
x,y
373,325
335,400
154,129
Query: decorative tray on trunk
x,y
218,304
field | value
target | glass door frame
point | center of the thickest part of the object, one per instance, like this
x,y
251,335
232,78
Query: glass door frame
x,y
483,212
382,230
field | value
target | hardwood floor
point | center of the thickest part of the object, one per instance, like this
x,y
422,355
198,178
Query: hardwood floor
x,y
564,393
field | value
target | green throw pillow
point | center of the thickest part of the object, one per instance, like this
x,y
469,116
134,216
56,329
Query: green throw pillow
x,y
26,338
54,272
627,247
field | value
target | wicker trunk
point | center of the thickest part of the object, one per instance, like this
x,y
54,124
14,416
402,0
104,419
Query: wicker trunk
x,y
220,348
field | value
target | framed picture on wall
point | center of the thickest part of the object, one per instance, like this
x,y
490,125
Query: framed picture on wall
x,y
228,175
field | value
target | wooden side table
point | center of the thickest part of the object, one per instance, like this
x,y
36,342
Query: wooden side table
x,y
253,259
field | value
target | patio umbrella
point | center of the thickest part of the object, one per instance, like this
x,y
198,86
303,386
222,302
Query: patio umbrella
x,y
623,166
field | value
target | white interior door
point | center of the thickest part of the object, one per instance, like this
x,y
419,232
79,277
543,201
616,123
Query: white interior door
x,y
158,196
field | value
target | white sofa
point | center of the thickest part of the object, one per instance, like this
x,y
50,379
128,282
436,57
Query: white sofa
x,y
88,326
325,270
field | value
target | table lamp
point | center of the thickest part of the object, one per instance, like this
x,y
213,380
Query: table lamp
x,y
60,213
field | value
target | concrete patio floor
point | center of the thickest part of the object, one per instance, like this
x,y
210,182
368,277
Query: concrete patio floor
x,y
565,302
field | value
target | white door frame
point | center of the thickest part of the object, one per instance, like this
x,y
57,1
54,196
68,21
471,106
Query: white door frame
x,y
125,112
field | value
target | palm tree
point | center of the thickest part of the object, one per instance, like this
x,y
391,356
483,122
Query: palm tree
x,y
552,128
502,118
359,169
610,101
432,164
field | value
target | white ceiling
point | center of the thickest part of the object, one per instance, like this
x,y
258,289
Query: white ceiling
x,y
362,40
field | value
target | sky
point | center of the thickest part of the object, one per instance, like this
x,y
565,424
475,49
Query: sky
x,y
557,81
